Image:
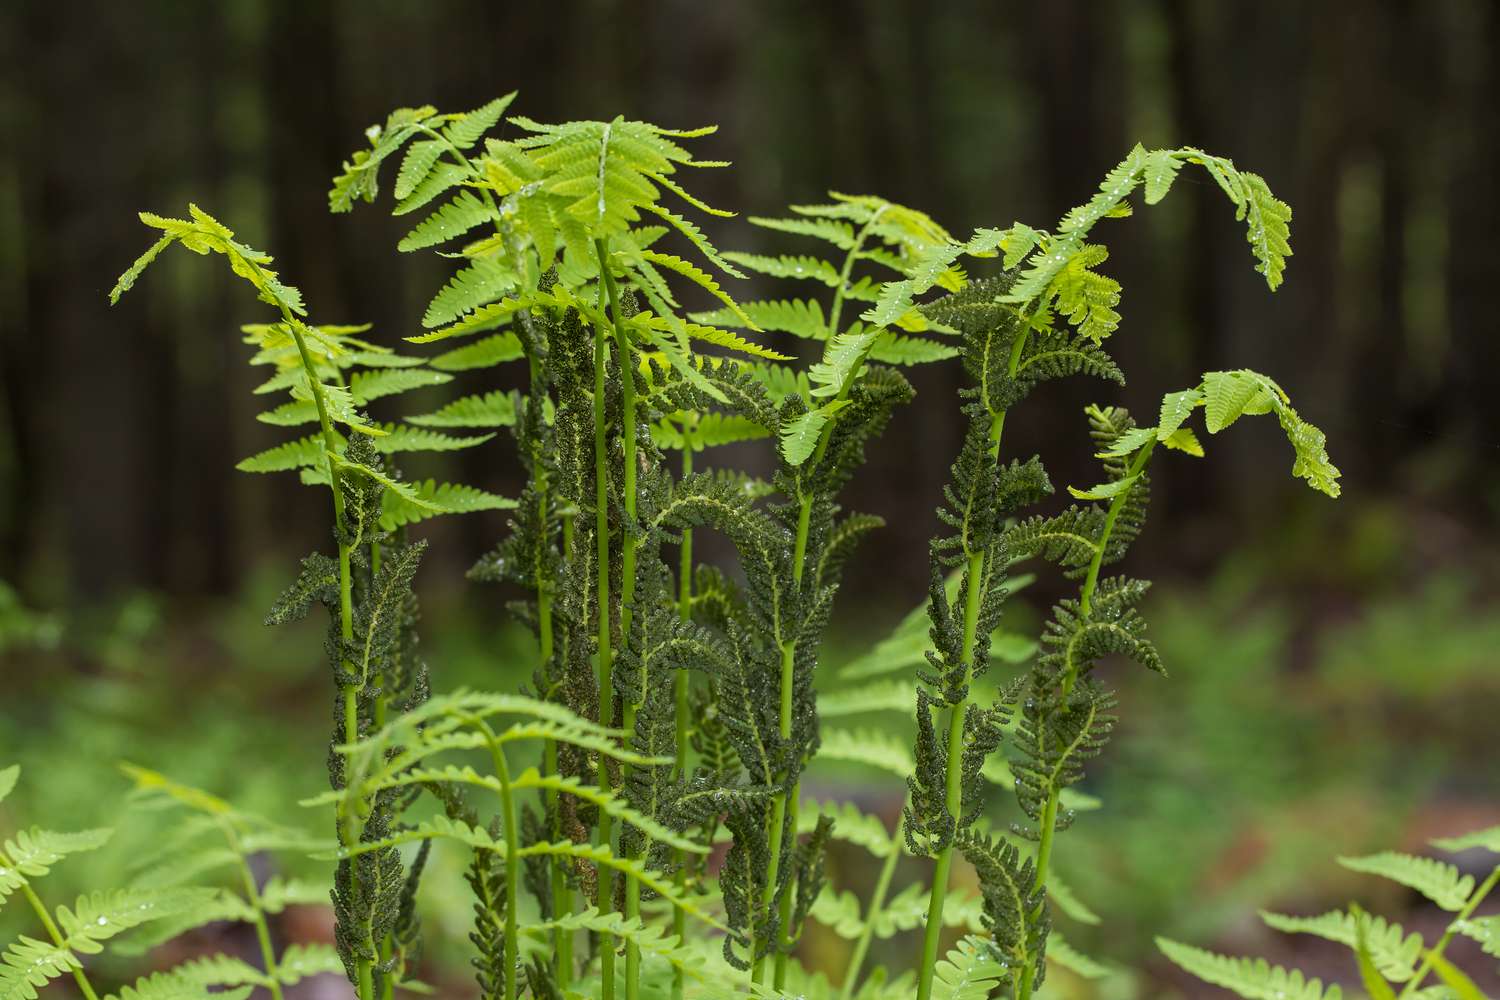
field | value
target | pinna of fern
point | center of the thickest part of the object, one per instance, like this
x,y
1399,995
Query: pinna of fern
x,y
367,589
1392,962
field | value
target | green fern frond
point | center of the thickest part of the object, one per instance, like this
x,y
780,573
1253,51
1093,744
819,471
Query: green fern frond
x,y
171,985
32,853
399,439
464,212
883,696
492,409
1488,839
1070,958
1394,951
359,179
1254,979
303,453
204,234
969,972
838,233
880,749
99,916
482,283
788,266
1437,880
367,386
490,351
217,907
849,825
433,498
28,965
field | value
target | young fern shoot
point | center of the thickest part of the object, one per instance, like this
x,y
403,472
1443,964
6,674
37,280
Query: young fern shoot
x,y
1046,317
367,590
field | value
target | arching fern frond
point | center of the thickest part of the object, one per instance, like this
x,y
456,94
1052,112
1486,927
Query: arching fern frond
x,y
1254,979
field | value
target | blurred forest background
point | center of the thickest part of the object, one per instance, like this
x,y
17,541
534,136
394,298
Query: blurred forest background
x,y
1335,664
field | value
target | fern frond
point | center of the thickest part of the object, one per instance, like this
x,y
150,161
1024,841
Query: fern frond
x,y
204,234
467,129
367,386
879,749
399,439
1070,958
432,499
884,696
838,233
490,351
219,906
969,972
1254,979
1394,951
28,965
482,283
1488,839
32,853
99,916
451,221
1437,880
359,179
849,825
788,266
303,960
303,453
492,409
171,985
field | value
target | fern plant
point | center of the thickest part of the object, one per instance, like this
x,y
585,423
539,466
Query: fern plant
x,y
672,705
1391,961
1046,317
367,588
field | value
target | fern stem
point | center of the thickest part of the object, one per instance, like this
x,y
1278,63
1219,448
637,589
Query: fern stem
x,y
82,980
682,720
872,913
953,776
512,853
788,801
624,362
1047,828
1436,951
562,895
350,692
252,896
604,830
1092,579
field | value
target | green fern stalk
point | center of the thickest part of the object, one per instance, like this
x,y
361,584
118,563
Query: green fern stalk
x,y
84,986
682,717
605,897
973,596
258,921
512,855
348,834
872,913
788,802
624,363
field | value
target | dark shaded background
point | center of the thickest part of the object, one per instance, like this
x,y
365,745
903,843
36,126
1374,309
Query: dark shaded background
x,y
119,428
1336,665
